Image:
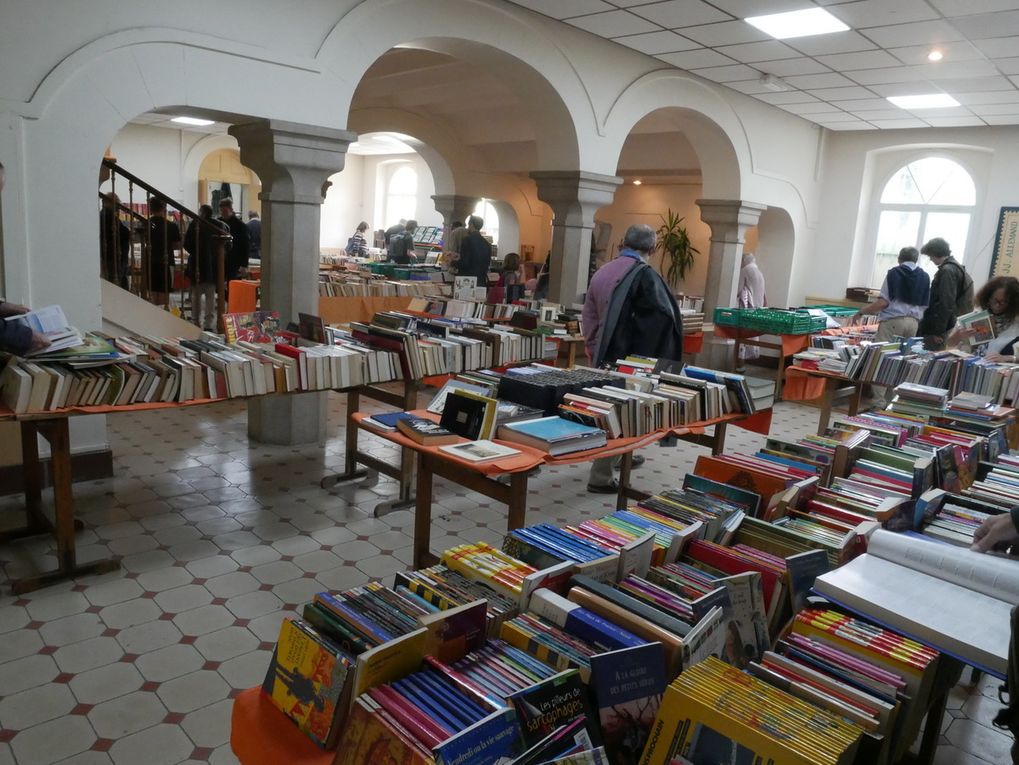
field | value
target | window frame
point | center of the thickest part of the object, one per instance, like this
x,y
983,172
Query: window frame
x,y
877,207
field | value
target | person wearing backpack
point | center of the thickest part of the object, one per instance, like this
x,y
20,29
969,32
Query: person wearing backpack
x,y
629,309
951,295
401,246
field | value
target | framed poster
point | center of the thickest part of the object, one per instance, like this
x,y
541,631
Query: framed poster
x,y
1006,244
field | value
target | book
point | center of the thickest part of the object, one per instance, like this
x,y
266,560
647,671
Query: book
x,y
387,421
554,435
628,686
956,583
255,326
438,402
544,707
307,679
479,451
425,432
469,415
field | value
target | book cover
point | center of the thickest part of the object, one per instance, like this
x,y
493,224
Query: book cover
x,y
550,704
253,327
388,420
551,429
628,685
425,432
491,740
311,327
479,451
469,415
306,680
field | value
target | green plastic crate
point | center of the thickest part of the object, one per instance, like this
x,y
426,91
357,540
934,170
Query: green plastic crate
x,y
770,320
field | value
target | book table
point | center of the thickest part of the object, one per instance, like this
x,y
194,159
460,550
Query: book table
x,y
483,477
786,346
54,428
830,387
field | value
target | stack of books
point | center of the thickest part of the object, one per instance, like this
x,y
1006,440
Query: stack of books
x,y
554,435
716,713
919,400
693,321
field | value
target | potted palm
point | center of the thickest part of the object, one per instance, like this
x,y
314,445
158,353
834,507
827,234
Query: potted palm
x,y
677,250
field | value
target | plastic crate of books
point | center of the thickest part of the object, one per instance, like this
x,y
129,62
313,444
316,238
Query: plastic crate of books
x,y
770,320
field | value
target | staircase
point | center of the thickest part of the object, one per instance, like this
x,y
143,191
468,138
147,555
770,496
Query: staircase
x,y
138,281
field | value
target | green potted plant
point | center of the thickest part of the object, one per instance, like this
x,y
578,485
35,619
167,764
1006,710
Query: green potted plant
x,y
677,250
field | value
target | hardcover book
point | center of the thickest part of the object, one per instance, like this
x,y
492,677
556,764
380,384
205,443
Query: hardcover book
x,y
469,415
425,432
548,705
306,681
628,685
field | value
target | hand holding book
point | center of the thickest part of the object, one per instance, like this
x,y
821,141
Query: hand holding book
x,y
994,531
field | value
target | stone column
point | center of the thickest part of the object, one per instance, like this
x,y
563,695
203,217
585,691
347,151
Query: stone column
x,y
574,196
729,220
454,207
294,163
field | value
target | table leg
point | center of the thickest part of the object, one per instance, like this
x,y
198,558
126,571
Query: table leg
x,y
350,471
932,730
780,377
571,355
719,446
57,433
423,514
625,467
855,399
826,401
32,477
516,507
736,360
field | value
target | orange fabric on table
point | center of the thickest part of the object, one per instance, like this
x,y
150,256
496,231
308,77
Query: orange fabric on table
x,y
693,343
242,296
800,385
790,343
260,734
527,459
613,448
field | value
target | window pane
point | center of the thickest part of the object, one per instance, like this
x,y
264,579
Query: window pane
x,y
404,181
901,189
896,229
957,188
952,227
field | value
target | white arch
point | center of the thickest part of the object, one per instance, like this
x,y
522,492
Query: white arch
x,y
203,148
713,128
495,37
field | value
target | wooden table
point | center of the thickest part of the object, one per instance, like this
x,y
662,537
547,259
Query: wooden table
x,y
483,477
572,342
828,389
786,347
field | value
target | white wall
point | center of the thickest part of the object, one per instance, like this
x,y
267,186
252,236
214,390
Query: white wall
x,y
157,155
344,206
856,165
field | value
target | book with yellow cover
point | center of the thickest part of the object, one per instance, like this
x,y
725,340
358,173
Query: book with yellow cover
x,y
307,681
717,713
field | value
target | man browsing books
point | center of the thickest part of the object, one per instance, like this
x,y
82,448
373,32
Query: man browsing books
x,y
905,293
951,294
629,309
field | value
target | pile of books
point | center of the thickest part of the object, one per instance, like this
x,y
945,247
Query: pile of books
x,y
716,713
341,284
693,321
919,400
447,589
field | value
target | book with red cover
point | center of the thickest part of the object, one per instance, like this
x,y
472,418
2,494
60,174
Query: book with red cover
x,y
765,484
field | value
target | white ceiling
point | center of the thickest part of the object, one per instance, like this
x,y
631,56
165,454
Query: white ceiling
x,y
838,80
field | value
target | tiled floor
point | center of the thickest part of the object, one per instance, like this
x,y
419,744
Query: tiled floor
x,y
219,540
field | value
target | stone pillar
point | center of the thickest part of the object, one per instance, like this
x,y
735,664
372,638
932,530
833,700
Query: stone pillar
x,y
294,163
729,220
454,207
574,196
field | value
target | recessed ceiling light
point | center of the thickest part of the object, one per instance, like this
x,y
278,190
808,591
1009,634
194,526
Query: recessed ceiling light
x,y
929,101
810,21
638,182
935,55
193,121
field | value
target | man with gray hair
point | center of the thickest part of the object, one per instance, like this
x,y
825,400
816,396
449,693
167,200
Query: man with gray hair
x,y
905,293
629,309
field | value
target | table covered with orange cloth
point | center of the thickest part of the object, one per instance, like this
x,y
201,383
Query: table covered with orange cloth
x,y
790,343
803,384
262,735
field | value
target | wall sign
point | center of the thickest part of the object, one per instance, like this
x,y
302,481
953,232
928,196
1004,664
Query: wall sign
x,y
1006,245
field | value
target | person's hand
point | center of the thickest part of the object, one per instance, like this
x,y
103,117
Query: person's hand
x,y
996,530
1000,358
12,309
39,342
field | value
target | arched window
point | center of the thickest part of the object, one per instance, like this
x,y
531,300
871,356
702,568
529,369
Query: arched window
x,y
929,197
486,211
402,194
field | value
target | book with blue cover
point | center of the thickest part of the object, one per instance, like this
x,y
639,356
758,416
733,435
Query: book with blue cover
x,y
628,685
554,435
387,420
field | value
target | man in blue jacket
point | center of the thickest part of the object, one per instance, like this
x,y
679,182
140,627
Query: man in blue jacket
x,y
905,293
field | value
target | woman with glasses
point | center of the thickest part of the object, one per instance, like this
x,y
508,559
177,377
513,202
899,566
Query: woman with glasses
x,y
1000,298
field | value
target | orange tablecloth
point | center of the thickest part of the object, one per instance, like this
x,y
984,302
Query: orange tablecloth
x,y
262,735
242,296
527,459
693,343
803,384
790,343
